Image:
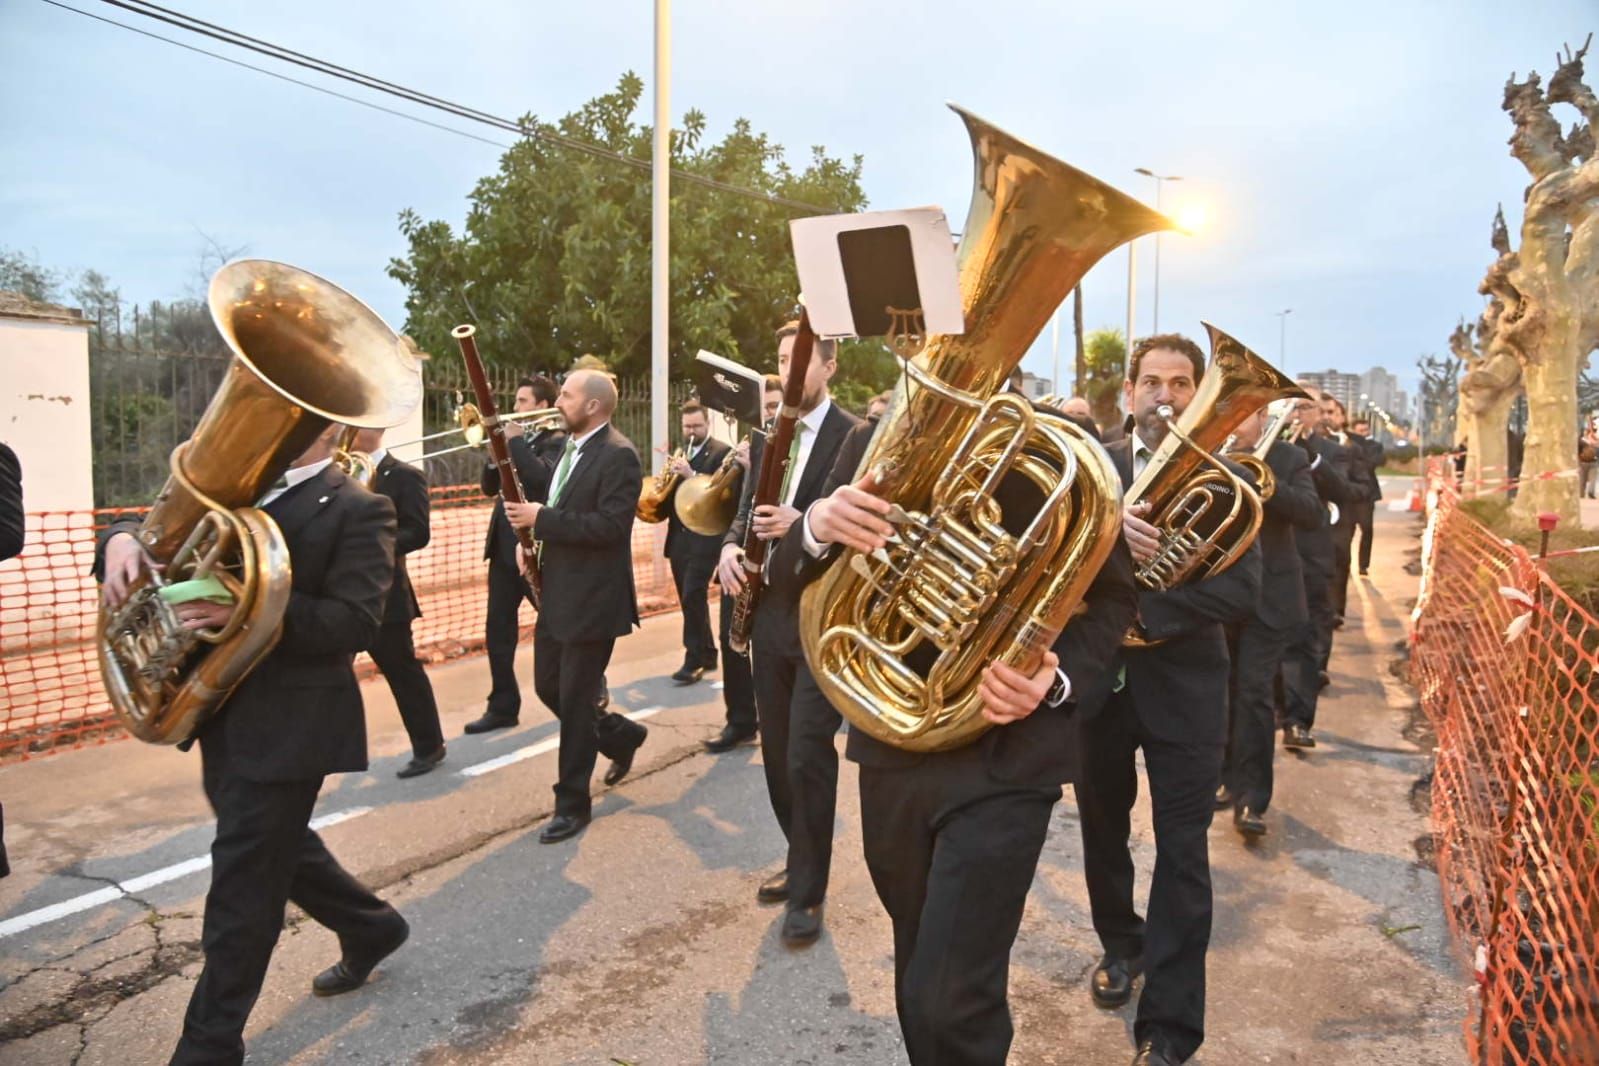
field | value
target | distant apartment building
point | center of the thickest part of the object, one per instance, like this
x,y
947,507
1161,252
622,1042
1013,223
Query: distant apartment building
x,y
1346,388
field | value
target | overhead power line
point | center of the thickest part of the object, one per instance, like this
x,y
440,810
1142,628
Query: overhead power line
x,y
286,55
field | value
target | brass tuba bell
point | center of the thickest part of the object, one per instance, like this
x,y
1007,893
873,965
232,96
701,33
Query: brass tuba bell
x,y
707,503
306,353
1004,514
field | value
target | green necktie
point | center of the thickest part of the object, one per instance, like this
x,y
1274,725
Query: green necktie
x,y
793,461
561,471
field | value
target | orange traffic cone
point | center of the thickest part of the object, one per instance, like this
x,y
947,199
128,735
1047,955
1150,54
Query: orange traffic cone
x,y
1415,497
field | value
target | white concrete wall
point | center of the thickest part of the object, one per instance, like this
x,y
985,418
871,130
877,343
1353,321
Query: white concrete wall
x,y
44,409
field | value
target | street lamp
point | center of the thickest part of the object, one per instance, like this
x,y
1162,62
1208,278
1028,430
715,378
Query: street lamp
x,y
1282,338
1160,181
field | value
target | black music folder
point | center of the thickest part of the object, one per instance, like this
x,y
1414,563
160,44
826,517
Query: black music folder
x,y
731,388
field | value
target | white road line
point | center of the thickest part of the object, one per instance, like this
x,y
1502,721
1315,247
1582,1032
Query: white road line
x,y
133,885
550,744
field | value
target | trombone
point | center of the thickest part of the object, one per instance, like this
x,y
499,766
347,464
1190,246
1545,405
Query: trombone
x,y
469,423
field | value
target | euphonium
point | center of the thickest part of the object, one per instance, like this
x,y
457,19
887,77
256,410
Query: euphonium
x,y
1004,513
306,353
652,501
1206,514
1254,459
707,503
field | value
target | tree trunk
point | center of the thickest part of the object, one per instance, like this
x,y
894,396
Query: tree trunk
x,y
1551,382
1080,381
1487,448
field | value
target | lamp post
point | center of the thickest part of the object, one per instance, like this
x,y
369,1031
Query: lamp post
x,y
660,216
1282,338
1160,182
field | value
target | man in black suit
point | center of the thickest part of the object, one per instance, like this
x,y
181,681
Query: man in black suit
x,y
693,555
952,839
296,718
534,456
11,535
1353,463
1259,643
738,685
1171,701
1304,669
1372,454
395,653
797,723
586,559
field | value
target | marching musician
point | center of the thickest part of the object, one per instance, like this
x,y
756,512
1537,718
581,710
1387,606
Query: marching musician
x,y
395,653
797,723
952,839
294,719
693,556
1259,642
1372,454
1354,463
1304,668
11,535
534,456
585,532
1171,701
738,686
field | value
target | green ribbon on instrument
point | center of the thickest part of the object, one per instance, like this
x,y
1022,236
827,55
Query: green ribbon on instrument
x,y
204,589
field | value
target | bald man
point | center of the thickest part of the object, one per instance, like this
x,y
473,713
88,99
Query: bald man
x,y
586,535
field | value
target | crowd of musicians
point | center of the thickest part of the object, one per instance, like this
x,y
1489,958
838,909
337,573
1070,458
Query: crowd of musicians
x,y
952,839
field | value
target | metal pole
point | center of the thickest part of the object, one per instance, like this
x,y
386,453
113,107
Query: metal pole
x,y
1155,328
660,237
1132,295
1054,386
1282,338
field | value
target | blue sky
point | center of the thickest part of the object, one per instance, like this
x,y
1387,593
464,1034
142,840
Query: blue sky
x,y
1348,156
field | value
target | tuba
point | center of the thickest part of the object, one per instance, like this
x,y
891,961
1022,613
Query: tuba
x,y
306,353
1254,459
1003,513
657,493
707,503
1207,515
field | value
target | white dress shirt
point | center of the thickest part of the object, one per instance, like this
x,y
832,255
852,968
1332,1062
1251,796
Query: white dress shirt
x,y
294,476
807,429
575,443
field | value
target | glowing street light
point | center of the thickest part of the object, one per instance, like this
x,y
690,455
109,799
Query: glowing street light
x,y
1160,182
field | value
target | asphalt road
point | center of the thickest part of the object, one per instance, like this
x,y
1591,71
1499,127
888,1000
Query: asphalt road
x,y
641,943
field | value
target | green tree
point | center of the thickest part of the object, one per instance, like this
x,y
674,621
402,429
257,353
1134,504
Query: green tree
x,y
554,259
21,272
1105,353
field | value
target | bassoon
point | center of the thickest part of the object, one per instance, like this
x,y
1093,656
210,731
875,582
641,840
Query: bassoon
x,y
494,429
769,485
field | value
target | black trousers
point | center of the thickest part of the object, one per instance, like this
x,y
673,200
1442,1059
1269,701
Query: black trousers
x,y
501,627
738,685
952,855
1309,648
1257,652
263,856
1183,778
566,675
1342,535
1362,514
691,573
798,726
395,655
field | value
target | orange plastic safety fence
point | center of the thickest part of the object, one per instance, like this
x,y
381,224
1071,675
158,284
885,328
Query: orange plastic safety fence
x,y
50,691
1505,662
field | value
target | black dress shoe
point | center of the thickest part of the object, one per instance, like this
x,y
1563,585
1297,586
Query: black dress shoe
x,y
1152,1054
1111,983
351,972
1249,822
562,827
687,675
624,762
802,925
1224,798
489,723
1323,679
1297,738
774,889
728,739
421,765
1338,623
1365,573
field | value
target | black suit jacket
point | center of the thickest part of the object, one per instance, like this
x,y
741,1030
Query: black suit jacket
x,y
1041,749
587,560
298,716
1179,686
11,520
680,540
534,460
407,488
1331,477
1368,456
1293,506
776,611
